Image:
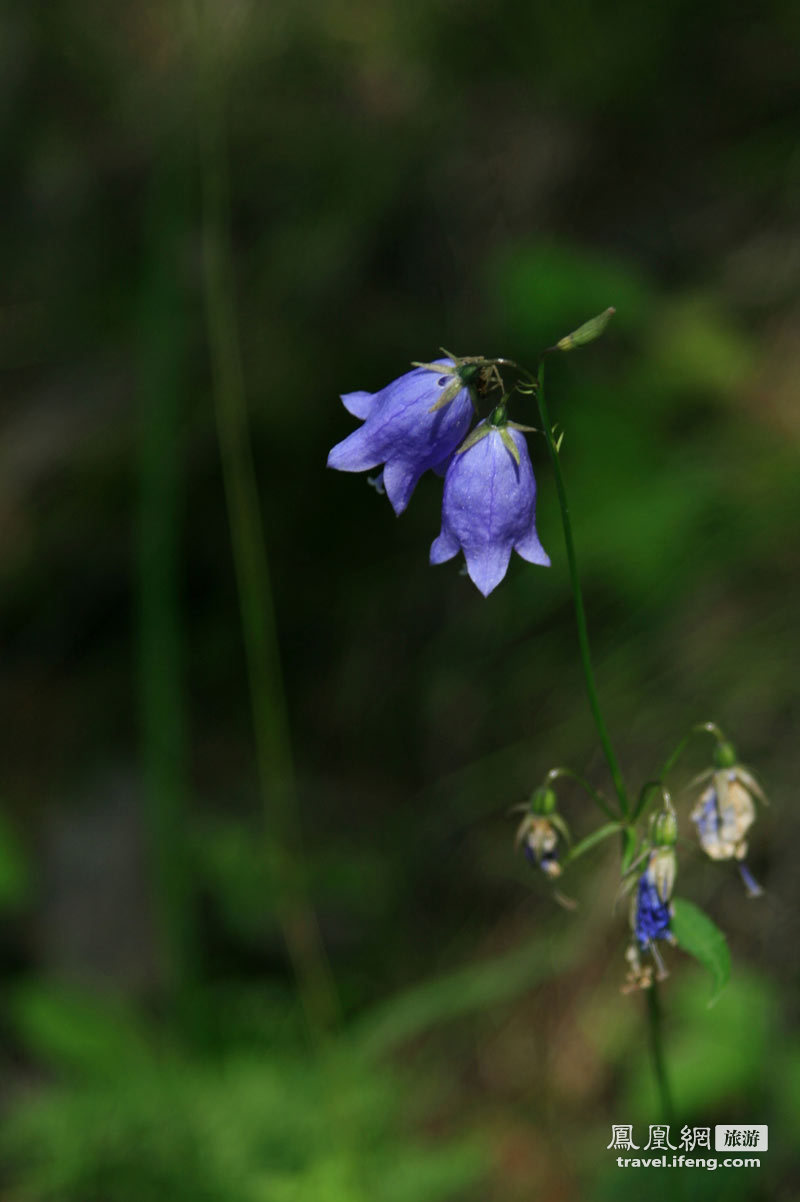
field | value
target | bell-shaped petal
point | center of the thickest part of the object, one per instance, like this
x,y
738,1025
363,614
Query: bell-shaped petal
x,y
489,508
651,915
413,424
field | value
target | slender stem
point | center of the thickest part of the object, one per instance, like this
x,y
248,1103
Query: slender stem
x,y
595,794
710,728
699,728
577,596
273,745
656,1032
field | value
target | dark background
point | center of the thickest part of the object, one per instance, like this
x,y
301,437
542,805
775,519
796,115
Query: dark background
x,y
401,177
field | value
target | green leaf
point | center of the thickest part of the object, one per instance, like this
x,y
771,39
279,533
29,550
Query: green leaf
x,y
701,938
72,1030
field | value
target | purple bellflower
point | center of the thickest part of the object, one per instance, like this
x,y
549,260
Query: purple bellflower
x,y
489,506
651,914
413,424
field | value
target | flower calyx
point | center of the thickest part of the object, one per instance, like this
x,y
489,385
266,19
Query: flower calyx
x,y
473,371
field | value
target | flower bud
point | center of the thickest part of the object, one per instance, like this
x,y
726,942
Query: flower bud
x,y
587,332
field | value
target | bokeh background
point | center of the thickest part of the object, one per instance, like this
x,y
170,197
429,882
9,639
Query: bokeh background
x,y
271,205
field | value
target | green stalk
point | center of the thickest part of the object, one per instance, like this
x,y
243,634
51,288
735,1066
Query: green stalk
x,y
273,745
577,596
655,1032
162,350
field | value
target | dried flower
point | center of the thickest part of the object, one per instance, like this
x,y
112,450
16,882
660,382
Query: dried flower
x,y
539,831
725,812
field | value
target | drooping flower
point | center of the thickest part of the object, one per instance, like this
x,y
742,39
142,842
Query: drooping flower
x,y
725,812
651,906
489,506
538,832
723,816
651,911
413,424
539,844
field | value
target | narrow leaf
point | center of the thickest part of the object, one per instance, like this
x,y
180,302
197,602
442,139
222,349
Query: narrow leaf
x,y
701,938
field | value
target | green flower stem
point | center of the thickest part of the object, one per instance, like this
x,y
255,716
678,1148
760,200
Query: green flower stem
x,y
710,728
699,728
656,1032
577,595
596,796
270,719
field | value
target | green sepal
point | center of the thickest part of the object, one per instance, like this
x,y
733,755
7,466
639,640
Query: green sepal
x,y
558,822
474,436
702,938
587,332
441,369
450,393
522,429
509,444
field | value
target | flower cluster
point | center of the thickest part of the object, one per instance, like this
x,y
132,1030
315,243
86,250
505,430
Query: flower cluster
x,y
722,816
421,422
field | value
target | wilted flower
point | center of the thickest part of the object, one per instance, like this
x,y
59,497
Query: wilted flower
x,y
725,812
651,913
651,909
539,844
539,831
489,506
639,976
412,424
